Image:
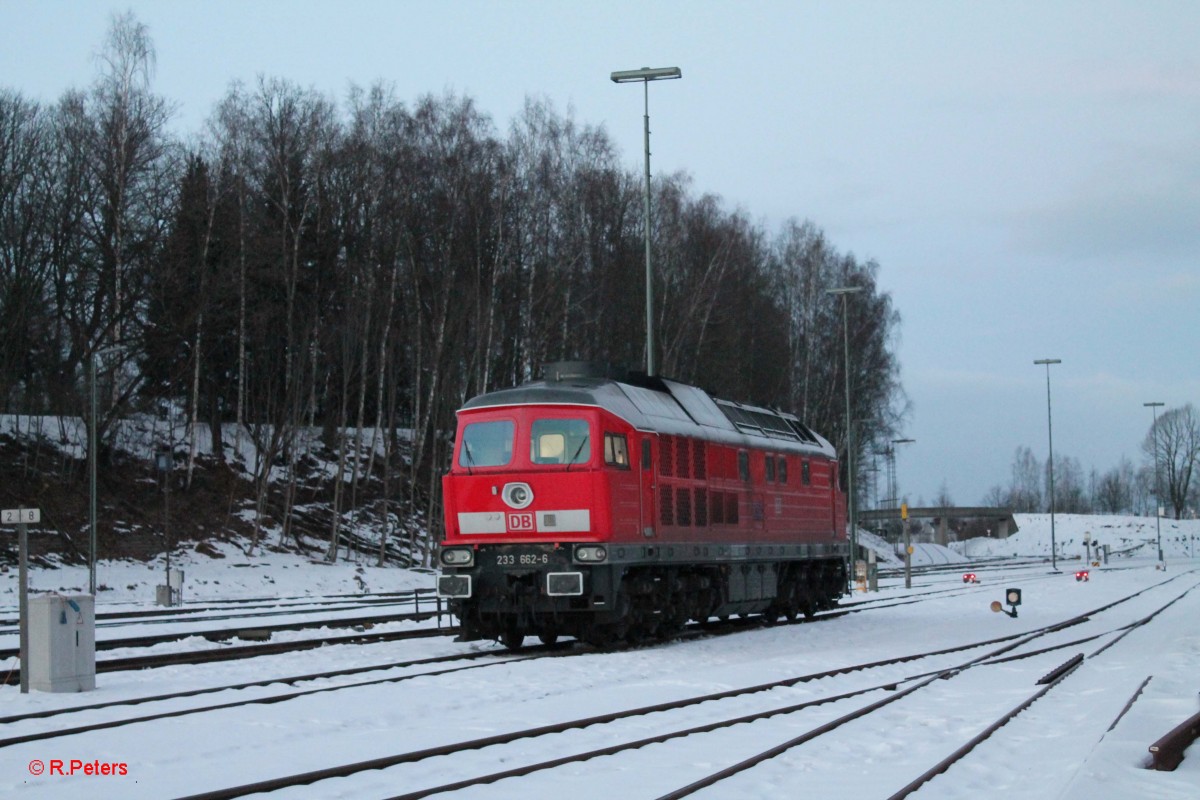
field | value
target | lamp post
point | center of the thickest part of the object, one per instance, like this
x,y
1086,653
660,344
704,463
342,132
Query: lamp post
x,y
903,521
645,75
1157,488
1050,431
851,505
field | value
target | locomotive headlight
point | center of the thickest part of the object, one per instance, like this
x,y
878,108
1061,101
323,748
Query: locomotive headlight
x,y
590,553
457,557
517,495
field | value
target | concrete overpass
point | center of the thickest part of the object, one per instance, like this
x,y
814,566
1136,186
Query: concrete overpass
x,y
1005,524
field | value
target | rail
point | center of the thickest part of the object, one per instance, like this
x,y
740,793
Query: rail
x,y
1167,753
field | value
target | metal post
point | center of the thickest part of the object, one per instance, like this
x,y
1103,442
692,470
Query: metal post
x,y
649,273
903,516
1050,430
167,532
163,461
1157,486
92,455
849,438
645,75
850,502
23,576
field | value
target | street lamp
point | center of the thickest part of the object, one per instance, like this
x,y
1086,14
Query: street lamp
x,y
1050,430
845,291
903,521
1157,488
645,75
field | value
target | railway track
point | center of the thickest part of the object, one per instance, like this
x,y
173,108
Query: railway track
x,y
725,711
1044,685
870,697
235,652
864,699
229,609
60,730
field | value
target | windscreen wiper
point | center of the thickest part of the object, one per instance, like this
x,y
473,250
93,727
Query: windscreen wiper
x,y
578,450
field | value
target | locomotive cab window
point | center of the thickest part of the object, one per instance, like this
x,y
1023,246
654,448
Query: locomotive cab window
x,y
487,444
781,473
744,465
769,466
616,450
560,441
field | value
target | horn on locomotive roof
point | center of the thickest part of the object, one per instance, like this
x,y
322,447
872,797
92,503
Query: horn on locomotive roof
x,y
575,370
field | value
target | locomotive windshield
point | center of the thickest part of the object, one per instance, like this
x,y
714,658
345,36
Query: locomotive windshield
x,y
560,441
487,444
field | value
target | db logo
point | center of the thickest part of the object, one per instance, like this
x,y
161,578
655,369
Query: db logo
x,y
522,521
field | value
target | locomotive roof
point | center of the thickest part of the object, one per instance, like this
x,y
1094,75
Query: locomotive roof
x,y
664,406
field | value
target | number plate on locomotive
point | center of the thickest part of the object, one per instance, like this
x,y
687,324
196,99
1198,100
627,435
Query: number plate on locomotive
x,y
528,557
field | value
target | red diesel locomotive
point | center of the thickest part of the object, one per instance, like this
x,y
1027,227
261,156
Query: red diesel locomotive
x,y
616,509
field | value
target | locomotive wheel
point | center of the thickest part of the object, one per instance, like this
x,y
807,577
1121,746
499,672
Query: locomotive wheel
x,y
548,638
512,638
601,636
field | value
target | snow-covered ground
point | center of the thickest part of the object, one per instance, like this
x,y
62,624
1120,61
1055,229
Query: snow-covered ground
x,y
234,576
1061,747
1125,537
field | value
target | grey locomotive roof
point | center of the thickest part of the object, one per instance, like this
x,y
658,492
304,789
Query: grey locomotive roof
x,y
667,407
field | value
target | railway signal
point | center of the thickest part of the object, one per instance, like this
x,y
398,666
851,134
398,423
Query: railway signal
x,y
1013,598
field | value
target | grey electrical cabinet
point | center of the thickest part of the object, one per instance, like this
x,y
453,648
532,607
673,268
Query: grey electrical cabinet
x,y
62,643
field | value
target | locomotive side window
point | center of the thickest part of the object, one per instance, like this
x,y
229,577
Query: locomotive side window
x,y
616,450
782,473
805,473
645,454
769,464
560,441
487,444
744,465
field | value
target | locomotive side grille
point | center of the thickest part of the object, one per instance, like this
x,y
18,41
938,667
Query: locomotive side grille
x,y
666,506
701,508
683,459
699,460
717,508
731,508
666,456
683,506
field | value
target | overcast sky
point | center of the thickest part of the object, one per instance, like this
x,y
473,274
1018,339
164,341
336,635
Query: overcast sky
x,y
1027,174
